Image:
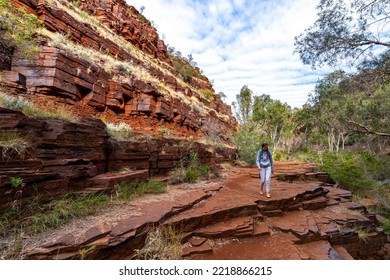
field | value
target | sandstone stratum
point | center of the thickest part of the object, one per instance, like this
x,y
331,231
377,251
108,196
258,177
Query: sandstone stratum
x,y
102,63
307,218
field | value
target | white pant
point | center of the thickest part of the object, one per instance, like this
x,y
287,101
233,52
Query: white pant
x,y
265,177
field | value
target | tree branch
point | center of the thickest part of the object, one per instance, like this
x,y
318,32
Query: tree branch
x,y
366,130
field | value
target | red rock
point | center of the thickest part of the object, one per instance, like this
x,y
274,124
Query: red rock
x,y
197,241
205,248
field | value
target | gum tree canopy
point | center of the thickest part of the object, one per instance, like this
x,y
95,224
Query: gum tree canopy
x,y
351,30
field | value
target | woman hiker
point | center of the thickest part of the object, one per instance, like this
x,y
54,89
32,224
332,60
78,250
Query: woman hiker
x,y
265,164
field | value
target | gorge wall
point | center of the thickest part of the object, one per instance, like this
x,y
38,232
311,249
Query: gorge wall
x,y
103,61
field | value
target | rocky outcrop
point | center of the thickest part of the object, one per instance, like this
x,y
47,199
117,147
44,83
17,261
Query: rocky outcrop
x,y
231,220
58,157
122,74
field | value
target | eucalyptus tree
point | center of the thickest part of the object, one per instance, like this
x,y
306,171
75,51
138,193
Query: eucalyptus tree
x,y
351,30
243,105
274,116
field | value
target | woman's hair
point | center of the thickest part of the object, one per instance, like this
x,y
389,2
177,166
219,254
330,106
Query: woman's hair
x,y
263,145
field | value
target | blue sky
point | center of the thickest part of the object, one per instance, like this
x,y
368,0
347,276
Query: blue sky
x,y
241,42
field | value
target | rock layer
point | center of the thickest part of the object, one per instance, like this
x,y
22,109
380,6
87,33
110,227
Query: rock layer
x,y
229,221
152,101
62,157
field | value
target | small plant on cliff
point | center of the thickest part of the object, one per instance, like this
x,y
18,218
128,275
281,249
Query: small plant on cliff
x,y
208,94
85,251
29,109
190,170
13,146
164,243
121,131
16,182
19,28
165,131
362,234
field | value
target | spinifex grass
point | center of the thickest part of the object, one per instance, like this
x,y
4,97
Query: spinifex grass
x,y
30,109
121,131
164,243
13,145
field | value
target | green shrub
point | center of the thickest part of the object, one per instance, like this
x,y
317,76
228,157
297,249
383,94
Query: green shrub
x,y
344,168
208,94
185,69
277,155
16,181
190,170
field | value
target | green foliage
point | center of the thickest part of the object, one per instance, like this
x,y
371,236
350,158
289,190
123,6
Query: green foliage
x,y
165,131
386,226
262,120
248,139
347,170
85,251
69,206
19,28
186,66
345,30
275,117
16,182
126,191
185,69
195,169
34,218
278,155
190,170
208,94
243,105
344,111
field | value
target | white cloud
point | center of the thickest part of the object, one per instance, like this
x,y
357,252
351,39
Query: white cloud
x,y
241,42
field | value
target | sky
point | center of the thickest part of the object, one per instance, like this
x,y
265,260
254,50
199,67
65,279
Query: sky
x,y
241,42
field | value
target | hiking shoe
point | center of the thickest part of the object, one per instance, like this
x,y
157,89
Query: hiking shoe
x,y
268,195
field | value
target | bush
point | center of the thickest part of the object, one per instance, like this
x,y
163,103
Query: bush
x,y
121,131
208,94
344,168
190,170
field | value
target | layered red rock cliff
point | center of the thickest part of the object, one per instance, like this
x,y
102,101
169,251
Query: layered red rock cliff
x,y
102,58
